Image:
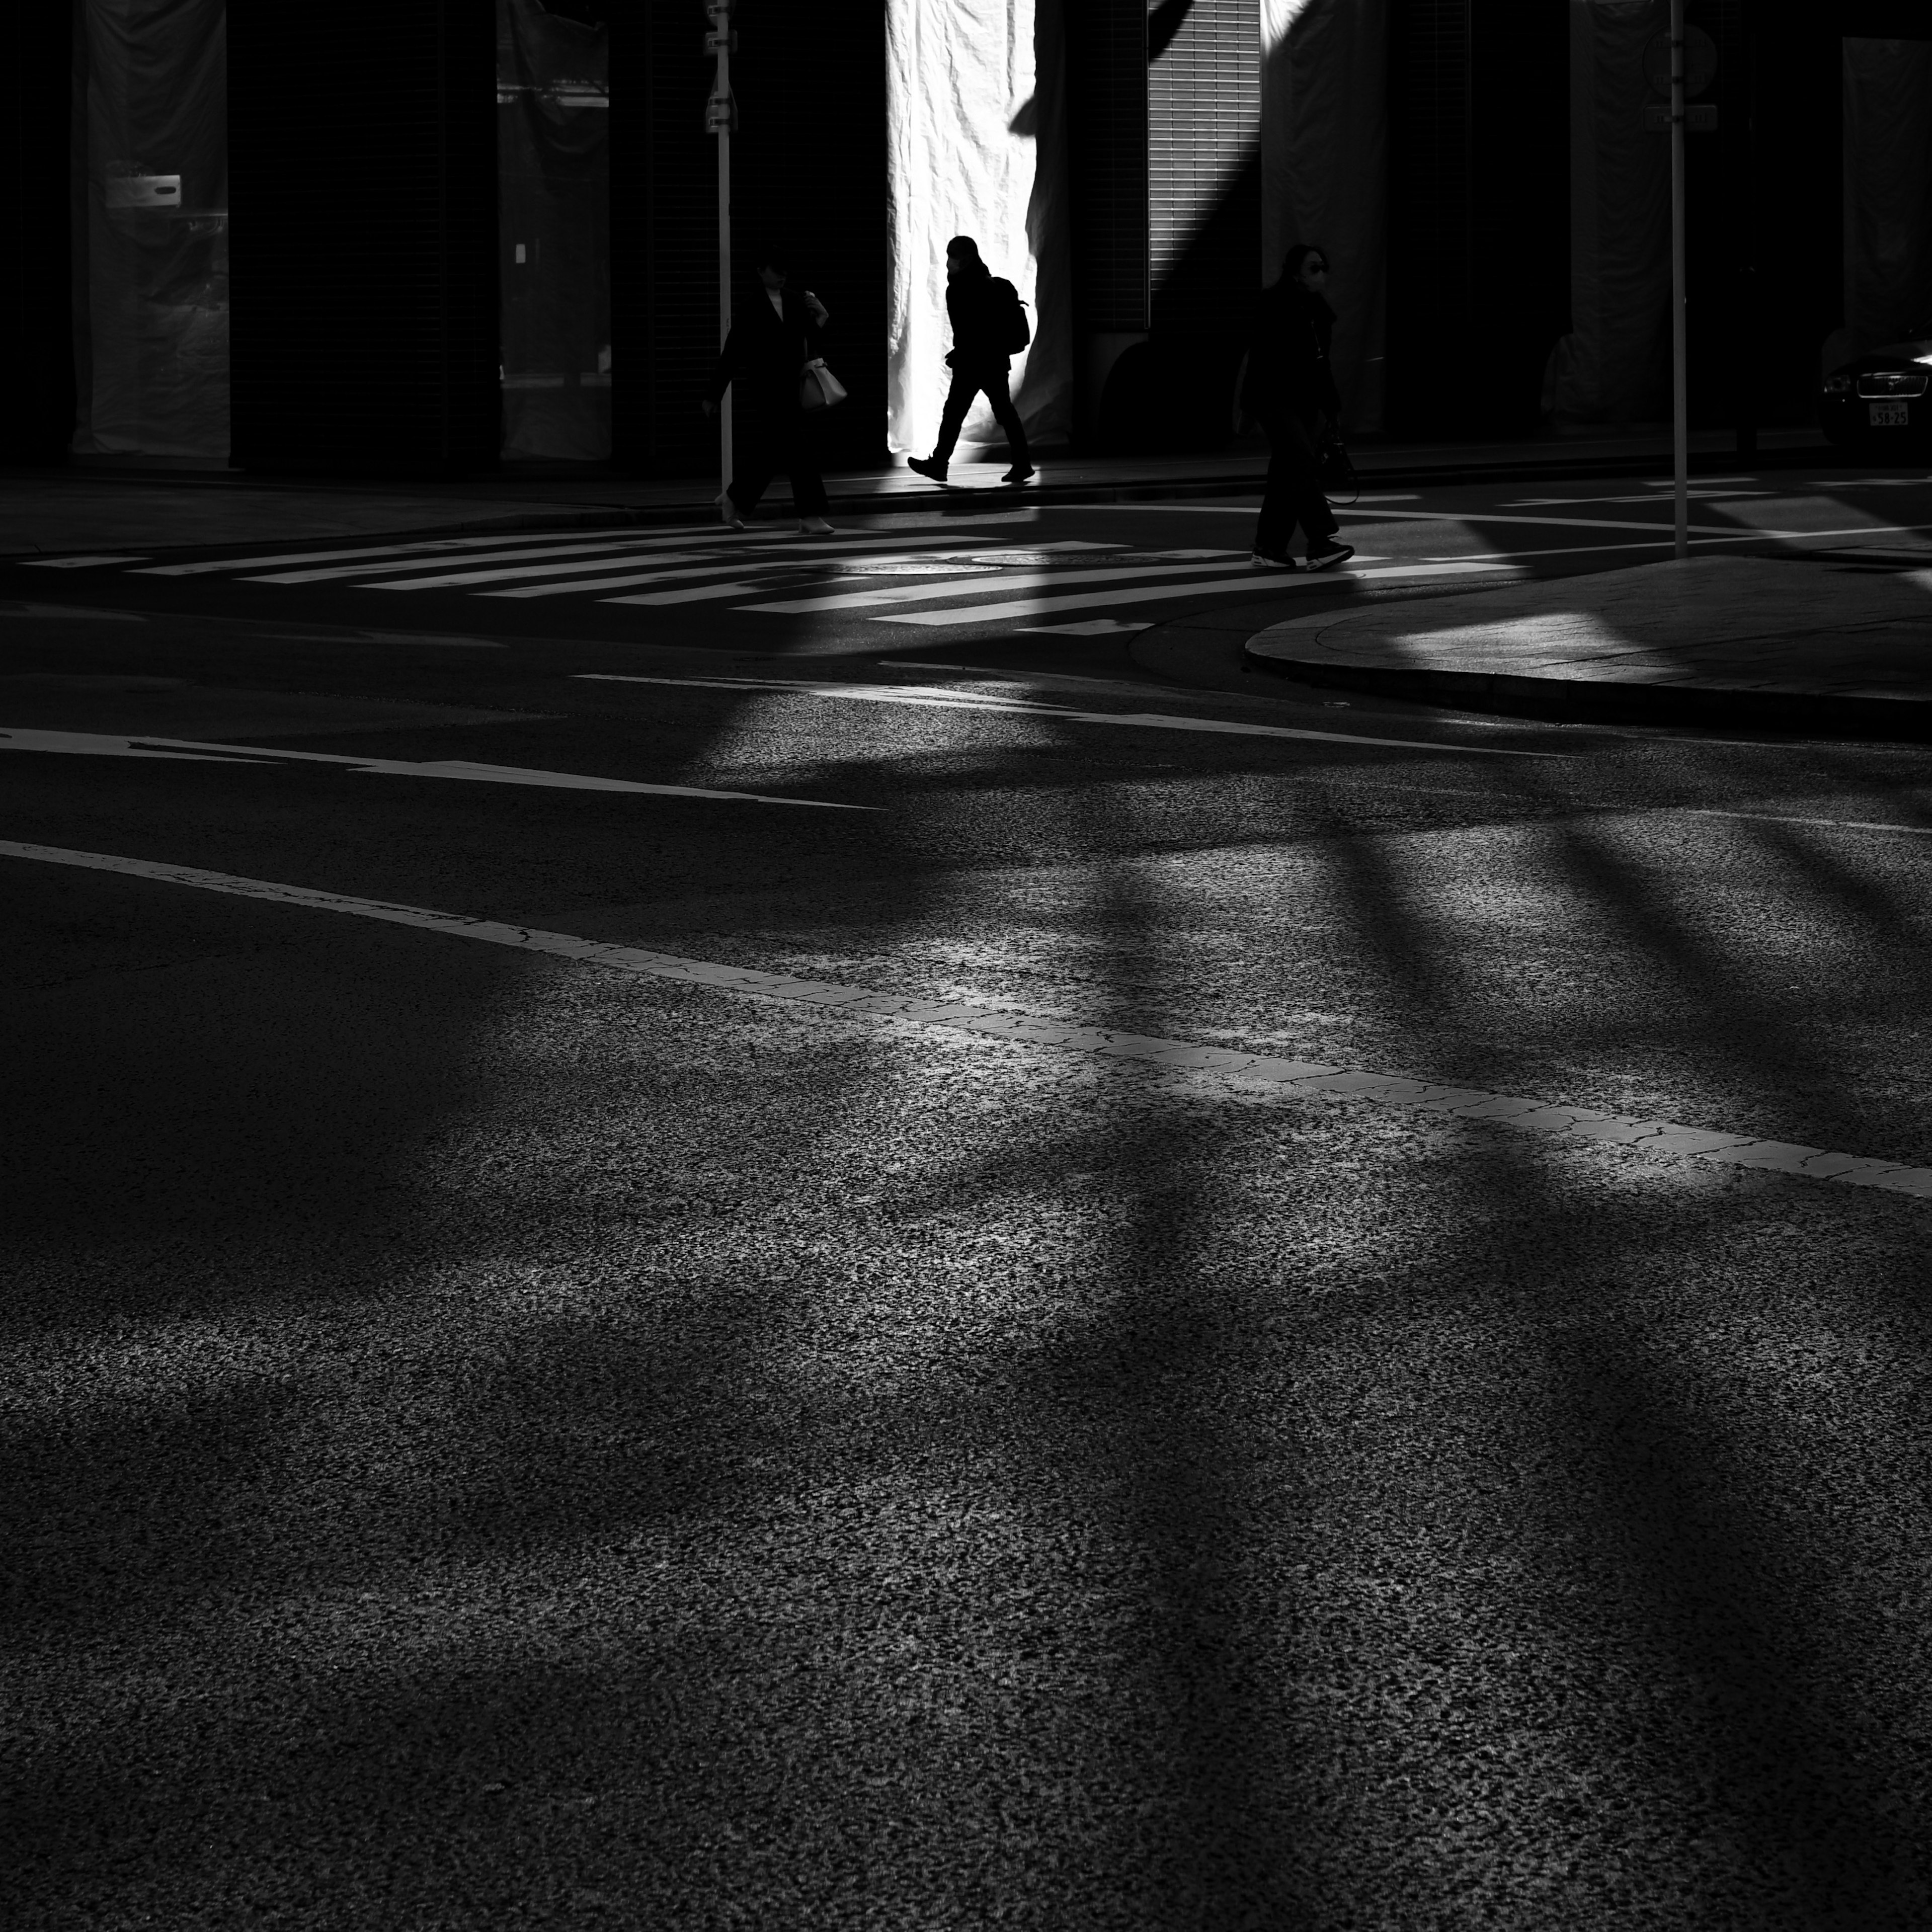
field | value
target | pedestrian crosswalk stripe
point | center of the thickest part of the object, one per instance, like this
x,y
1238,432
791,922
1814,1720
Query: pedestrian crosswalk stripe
x,y
612,547
581,566
1256,583
734,565
709,593
425,547
921,593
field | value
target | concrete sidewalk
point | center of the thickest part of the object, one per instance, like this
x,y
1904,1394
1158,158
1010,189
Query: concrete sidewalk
x,y
1813,644
142,506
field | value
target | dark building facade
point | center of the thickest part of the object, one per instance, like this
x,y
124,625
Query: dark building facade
x,y
366,252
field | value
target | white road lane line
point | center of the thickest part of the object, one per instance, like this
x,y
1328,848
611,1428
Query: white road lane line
x,y
79,612
94,744
1792,818
611,551
924,696
1018,1028
1256,583
426,548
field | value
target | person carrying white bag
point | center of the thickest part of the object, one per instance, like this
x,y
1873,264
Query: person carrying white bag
x,y
782,385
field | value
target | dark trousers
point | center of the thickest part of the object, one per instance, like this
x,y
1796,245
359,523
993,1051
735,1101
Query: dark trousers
x,y
967,383
769,440
1294,494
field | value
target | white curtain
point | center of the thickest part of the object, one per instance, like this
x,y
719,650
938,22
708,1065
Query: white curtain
x,y
1324,172
151,228
1615,365
975,136
1888,96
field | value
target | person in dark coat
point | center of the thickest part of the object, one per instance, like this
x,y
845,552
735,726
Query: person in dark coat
x,y
772,338
977,305
1290,387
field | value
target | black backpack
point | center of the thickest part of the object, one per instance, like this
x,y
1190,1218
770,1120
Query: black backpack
x,y
1010,326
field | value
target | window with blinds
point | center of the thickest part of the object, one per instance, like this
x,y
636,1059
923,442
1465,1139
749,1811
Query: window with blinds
x,y
1203,116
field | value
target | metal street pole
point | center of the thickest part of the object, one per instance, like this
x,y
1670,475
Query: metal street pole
x,y
1680,403
718,116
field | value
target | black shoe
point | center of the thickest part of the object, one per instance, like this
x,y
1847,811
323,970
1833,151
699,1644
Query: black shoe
x,y
1262,560
929,465
1019,473
1329,555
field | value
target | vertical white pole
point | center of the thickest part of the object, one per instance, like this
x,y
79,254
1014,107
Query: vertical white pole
x,y
722,22
1680,392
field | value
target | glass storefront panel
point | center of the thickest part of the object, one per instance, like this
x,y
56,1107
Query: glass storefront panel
x,y
151,228
553,154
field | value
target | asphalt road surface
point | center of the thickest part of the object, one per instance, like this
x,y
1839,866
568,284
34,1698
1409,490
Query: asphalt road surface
x,y
747,1263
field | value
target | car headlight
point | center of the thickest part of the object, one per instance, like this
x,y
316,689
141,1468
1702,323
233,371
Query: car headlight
x,y
1837,385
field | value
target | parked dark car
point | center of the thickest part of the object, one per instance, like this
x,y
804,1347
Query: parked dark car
x,y
1878,402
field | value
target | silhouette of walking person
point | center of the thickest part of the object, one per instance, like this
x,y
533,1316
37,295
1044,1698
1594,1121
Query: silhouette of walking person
x,y
989,326
1290,387
771,340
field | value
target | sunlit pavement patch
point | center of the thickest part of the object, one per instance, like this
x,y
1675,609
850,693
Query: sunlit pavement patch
x,y
1306,1077
933,698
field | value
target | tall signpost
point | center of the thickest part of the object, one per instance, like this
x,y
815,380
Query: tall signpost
x,y
1680,399
719,115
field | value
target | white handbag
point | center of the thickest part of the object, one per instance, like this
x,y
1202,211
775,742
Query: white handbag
x,y
818,388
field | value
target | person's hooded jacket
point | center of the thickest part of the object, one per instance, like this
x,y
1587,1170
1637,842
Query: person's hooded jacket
x,y
1287,355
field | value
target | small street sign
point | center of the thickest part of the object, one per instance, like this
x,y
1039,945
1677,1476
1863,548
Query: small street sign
x,y
1697,120
1700,62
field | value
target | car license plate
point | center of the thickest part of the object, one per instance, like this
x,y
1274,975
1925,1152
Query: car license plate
x,y
1890,415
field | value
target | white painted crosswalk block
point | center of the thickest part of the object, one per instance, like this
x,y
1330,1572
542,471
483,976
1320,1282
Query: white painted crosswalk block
x,y
942,572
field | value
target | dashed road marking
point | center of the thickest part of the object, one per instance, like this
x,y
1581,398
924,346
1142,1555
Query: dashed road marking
x,y
1524,1114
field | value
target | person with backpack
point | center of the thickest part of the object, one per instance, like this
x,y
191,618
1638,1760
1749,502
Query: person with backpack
x,y
989,328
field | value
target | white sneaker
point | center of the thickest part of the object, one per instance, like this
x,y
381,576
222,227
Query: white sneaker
x,y
728,514
1261,560
815,526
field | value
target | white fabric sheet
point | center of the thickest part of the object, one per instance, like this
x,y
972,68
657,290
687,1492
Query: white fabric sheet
x,y
976,135
1324,172
1615,366
1888,95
